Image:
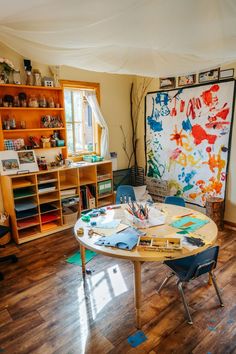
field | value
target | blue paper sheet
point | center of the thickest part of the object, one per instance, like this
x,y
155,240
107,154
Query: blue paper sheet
x,y
125,240
189,223
136,339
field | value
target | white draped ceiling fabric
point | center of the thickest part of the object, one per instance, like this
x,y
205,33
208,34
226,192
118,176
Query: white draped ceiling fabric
x,y
144,37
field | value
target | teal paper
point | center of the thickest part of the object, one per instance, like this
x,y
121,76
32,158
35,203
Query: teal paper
x,y
76,258
197,223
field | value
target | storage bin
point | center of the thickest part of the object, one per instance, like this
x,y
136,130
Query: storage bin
x,y
92,158
70,215
104,187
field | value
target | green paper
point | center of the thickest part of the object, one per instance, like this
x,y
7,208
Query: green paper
x,y
194,223
76,258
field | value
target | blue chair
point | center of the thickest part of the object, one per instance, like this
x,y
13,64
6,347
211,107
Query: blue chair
x,y
175,200
190,268
124,193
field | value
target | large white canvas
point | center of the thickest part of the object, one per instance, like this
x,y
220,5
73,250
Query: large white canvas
x,y
187,139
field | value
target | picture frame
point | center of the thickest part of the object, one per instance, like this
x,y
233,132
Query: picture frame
x,y
227,73
15,162
27,160
167,82
209,75
187,80
9,163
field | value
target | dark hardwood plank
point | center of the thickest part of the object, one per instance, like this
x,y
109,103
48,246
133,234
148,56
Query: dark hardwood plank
x,y
47,307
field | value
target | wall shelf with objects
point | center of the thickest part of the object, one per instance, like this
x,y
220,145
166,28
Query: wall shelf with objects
x,y
29,113
45,202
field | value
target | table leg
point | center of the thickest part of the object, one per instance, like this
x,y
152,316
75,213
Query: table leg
x,y
82,254
209,280
137,292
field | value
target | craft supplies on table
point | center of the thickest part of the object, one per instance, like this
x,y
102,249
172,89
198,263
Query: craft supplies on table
x,y
159,243
144,216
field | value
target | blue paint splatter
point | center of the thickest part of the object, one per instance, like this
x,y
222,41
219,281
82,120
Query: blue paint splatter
x,y
154,125
189,176
187,126
162,98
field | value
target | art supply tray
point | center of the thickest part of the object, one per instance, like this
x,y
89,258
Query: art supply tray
x,y
147,243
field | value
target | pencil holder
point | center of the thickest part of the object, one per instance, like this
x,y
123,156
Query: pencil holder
x,y
140,224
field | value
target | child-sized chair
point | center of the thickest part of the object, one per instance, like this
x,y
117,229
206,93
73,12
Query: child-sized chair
x,y
124,194
190,268
175,200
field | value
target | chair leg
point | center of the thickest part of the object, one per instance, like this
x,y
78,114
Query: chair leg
x,y
212,275
165,281
180,288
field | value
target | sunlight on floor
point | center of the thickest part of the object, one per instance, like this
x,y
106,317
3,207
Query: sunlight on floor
x,y
95,292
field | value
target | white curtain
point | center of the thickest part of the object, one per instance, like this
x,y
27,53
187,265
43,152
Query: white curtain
x,y
92,100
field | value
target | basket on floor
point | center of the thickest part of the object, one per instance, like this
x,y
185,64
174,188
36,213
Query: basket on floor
x,y
5,221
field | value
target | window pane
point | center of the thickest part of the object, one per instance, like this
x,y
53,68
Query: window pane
x,y
78,105
78,137
88,124
68,107
70,140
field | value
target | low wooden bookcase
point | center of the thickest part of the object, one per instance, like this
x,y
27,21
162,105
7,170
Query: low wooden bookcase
x,y
35,201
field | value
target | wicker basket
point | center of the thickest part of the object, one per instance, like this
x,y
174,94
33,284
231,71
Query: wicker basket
x,y
6,238
70,215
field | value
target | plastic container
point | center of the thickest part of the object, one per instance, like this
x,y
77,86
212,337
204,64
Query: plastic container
x,y
92,158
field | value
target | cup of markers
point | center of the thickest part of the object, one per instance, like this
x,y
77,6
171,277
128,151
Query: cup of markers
x,y
138,214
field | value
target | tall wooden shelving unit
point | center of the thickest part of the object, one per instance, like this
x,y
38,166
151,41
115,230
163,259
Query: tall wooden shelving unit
x,y
63,183
42,222
31,115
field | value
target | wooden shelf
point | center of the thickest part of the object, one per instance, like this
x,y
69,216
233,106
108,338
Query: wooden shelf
x,y
22,185
45,199
27,217
25,196
105,195
64,186
63,179
31,87
30,130
83,182
49,211
52,191
28,226
31,108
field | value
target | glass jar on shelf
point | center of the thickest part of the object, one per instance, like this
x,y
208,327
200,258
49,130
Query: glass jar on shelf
x,y
42,101
33,102
51,103
16,77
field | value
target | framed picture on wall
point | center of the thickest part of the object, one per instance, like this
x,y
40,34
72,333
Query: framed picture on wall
x,y
187,80
27,160
225,74
210,75
167,82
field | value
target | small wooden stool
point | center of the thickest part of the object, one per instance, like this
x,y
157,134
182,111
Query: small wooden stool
x,y
215,210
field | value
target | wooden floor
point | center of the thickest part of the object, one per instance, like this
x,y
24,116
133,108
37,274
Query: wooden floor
x,y
47,307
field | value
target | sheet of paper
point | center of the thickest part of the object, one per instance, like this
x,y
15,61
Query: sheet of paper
x,y
109,232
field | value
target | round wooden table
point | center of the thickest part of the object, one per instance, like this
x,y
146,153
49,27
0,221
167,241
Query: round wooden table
x,y
208,233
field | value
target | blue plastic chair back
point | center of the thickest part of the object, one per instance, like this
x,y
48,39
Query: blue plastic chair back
x,y
193,266
124,193
175,200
